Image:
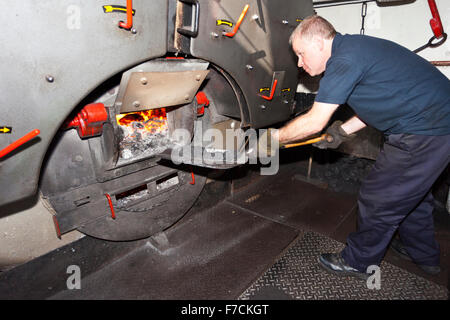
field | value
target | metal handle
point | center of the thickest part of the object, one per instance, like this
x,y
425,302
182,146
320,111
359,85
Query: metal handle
x,y
19,142
129,22
435,23
272,91
310,141
238,23
436,27
196,14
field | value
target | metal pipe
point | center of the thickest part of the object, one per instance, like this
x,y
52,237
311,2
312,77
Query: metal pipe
x,y
310,164
441,63
332,3
30,135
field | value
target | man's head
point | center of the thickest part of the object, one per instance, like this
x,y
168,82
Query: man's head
x,y
311,42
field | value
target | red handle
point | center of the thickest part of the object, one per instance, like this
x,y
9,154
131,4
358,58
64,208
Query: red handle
x,y
238,24
435,23
113,214
19,142
272,92
129,23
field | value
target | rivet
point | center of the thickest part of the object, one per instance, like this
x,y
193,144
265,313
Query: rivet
x,y
198,77
49,78
186,97
262,106
133,31
144,81
249,67
214,35
136,104
284,22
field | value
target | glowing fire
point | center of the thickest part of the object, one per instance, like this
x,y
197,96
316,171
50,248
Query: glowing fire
x,y
153,121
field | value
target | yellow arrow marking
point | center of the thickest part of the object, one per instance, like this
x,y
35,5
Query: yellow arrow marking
x,y
5,130
109,9
264,89
220,22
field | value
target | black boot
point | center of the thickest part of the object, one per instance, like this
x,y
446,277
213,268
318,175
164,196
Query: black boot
x,y
399,249
334,263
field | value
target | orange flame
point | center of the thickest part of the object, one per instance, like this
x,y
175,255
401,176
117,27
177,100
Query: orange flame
x,y
154,121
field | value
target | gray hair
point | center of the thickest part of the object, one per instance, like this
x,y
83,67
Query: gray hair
x,y
313,25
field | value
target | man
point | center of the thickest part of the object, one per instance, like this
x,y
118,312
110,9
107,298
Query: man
x,y
405,97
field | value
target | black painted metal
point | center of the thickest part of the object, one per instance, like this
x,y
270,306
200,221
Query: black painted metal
x,y
79,173
333,3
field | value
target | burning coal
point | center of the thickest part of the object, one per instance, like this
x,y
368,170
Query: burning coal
x,y
145,133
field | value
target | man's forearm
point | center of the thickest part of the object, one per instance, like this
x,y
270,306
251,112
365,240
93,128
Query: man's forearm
x,y
352,125
299,128
308,124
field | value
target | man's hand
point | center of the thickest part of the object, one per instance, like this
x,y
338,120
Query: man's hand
x,y
336,135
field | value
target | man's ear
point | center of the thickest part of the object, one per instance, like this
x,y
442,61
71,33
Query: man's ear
x,y
318,42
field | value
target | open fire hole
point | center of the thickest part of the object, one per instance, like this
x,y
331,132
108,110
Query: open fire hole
x,y
167,182
145,133
133,192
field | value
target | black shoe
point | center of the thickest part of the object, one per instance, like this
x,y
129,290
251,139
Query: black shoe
x,y
433,270
334,263
399,249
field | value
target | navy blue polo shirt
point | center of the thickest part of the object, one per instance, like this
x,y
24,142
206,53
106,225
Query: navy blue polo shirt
x,y
388,86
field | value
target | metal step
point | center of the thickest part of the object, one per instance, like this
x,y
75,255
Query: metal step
x,y
297,275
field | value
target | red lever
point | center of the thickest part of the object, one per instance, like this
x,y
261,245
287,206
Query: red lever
x,y
202,101
272,91
113,214
193,177
58,230
129,23
238,24
19,142
435,23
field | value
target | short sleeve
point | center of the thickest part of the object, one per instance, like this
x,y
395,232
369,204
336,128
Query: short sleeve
x,y
340,78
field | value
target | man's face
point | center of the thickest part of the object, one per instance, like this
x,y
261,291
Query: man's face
x,y
310,55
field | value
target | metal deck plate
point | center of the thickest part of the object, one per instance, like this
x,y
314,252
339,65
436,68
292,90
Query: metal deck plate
x,y
297,275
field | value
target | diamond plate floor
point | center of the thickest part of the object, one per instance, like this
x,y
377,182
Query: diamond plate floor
x,y
297,275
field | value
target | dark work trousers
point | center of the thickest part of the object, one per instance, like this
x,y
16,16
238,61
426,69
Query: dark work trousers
x,y
396,194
